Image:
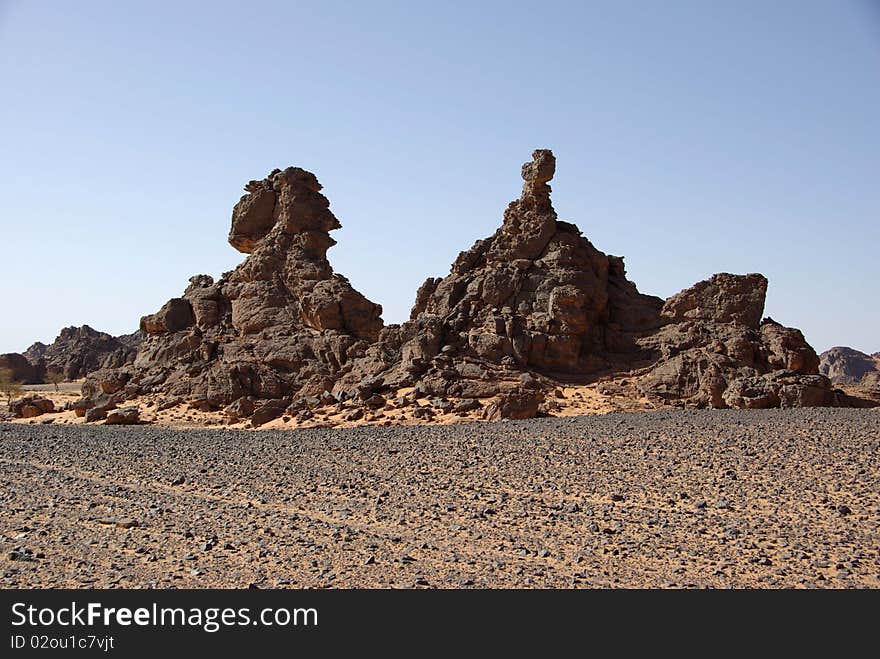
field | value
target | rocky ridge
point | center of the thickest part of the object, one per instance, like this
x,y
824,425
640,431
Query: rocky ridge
x,y
77,351
530,307
844,365
855,372
537,303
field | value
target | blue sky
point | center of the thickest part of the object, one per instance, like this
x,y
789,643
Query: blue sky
x,y
692,137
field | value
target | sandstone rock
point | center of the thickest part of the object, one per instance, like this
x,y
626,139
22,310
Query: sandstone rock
x,y
268,411
423,412
31,406
81,406
169,403
535,296
723,298
534,303
699,360
240,409
123,416
782,388
96,414
516,404
203,405
375,402
281,324
786,348
466,405
174,316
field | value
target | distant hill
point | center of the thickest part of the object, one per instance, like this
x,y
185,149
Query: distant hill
x,y
77,351
843,365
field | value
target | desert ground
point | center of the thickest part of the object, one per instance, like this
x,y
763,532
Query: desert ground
x,y
727,498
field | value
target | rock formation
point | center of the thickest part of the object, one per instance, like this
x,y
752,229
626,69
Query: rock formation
x,y
531,306
856,372
282,323
537,302
77,351
844,365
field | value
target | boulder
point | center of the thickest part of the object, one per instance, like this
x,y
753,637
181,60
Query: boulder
x,y
123,416
786,349
174,316
31,406
516,404
723,298
241,408
97,413
783,388
268,411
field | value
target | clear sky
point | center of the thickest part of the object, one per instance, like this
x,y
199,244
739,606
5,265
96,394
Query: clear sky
x,y
691,137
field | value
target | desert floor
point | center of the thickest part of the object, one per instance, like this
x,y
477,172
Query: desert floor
x,y
770,499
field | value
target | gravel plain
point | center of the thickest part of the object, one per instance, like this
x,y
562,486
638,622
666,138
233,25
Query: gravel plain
x,y
728,498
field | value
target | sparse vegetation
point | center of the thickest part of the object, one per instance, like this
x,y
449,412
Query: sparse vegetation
x,y
56,378
9,387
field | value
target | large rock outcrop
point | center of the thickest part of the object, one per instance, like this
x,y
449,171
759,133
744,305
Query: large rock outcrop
x,y
78,351
281,324
537,303
531,306
707,362
536,296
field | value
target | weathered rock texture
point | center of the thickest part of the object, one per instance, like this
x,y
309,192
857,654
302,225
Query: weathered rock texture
x,y
537,302
532,305
282,323
77,351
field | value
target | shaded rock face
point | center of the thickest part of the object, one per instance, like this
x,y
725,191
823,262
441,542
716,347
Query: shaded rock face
x,y
844,365
77,351
281,323
20,369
